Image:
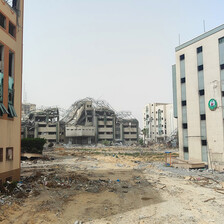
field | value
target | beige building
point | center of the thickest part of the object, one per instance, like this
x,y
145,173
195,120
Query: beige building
x,y
198,84
11,40
158,122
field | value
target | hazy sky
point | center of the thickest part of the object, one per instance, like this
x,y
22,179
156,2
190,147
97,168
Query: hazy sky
x,y
117,50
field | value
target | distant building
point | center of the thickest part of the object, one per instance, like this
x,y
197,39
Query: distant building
x,y
158,122
42,124
89,121
27,108
11,54
198,78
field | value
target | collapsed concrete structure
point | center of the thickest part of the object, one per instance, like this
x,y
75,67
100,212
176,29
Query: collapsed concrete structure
x,y
27,108
90,121
42,124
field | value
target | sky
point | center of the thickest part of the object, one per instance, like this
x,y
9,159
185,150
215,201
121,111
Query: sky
x,y
120,51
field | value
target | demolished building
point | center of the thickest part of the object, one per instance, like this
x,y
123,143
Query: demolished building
x,y
90,121
42,123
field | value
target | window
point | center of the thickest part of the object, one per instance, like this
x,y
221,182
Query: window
x,y
1,58
201,92
203,142
11,64
185,149
184,103
200,67
2,20
222,93
12,29
9,153
1,154
184,125
182,80
199,49
42,125
203,117
221,40
52,133
182,57
222,66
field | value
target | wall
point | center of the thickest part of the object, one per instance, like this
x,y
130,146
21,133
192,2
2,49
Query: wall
x,y
10,127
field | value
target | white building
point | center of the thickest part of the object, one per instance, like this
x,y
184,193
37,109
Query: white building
x,y
158,122
198,87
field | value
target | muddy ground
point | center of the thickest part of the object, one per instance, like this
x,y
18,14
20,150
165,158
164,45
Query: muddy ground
x,y
112,185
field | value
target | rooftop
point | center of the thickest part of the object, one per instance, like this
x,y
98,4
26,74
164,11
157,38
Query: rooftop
x,y
202,36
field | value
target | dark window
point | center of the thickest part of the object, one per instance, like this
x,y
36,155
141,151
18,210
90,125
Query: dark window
x,y
200,67
184,125
222,93
184,103
1,58
185,149
199,49
11,64
2,20
1,154
201,92
181,57
12,29
182,80
222,66
203,117
9,153
42,125
221,40
203,142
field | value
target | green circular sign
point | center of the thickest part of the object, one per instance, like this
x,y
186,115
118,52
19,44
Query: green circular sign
x,y
212,104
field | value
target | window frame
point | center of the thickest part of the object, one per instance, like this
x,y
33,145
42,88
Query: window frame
x,y
4,18
199,49
182,57
13,34
1,154
7,156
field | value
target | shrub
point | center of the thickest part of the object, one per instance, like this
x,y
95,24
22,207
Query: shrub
x,y
32,145
106,143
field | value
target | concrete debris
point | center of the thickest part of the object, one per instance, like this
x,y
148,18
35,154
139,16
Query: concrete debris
x,y
98,185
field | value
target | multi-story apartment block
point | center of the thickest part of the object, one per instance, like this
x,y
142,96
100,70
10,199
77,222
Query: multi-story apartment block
x,y
158,122
11,53
198,86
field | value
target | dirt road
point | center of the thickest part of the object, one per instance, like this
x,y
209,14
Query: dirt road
x,y
111,186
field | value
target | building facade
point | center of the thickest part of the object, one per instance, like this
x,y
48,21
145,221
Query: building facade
x,y
90,121
42,124
11,53
158,122
198,89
